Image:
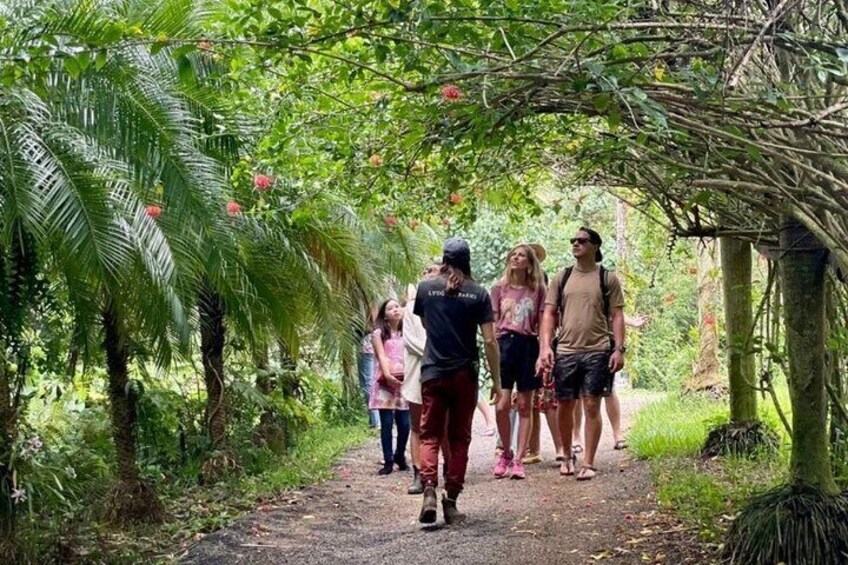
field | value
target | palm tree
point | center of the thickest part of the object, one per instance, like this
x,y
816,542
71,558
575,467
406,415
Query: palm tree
x,y
101,165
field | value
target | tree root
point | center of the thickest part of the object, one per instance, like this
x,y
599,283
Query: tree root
x,y
744,440
133,503
790,525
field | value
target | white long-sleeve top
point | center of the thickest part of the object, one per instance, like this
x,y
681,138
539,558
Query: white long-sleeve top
x,y
414,339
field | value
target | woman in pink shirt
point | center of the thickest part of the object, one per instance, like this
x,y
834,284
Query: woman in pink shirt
x,y
518,300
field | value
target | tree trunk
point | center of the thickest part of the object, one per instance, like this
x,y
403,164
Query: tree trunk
x,y
270,431
621,247
803,272
736,269
8,512
212,336
132,500
706,376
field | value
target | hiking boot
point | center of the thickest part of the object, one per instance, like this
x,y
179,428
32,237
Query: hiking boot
x,y
417,486
504,463
400,461
428,507
386,469
452,515
518,470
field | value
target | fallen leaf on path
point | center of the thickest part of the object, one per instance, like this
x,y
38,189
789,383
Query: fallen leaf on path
x,y
605,554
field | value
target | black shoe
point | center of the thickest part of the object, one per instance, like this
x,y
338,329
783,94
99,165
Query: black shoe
x,y
386,469
428,507
452,515
417,486
400,461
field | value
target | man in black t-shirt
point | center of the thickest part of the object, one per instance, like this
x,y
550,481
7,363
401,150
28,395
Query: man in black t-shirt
x,y
451,306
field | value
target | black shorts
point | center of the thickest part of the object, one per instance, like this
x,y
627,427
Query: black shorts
x,y
581,375
519,353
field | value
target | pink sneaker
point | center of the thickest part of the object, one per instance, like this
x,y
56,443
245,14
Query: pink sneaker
x,y
518,470
504,462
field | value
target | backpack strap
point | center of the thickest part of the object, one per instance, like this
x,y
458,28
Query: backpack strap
x,y
560,302
605,292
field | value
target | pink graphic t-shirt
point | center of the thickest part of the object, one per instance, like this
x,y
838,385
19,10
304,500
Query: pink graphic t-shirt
x,y
517,309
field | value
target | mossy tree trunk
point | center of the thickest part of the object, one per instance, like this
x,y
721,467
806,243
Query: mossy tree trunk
x,y
803,273
132,500
736,270
706,374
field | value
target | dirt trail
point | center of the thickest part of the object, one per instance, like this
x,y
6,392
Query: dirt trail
x,y
359,517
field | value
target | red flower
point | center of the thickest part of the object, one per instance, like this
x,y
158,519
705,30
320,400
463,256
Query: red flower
x,y
375,160
262,182
455,198
233,208
153,211
709,320
451,93
390,221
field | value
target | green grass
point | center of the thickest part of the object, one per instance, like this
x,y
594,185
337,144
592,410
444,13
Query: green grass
x,y
669,433
310,461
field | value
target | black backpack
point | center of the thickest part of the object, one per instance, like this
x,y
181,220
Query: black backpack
x,y
605,294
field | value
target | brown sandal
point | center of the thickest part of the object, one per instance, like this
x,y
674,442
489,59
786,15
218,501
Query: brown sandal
x,y
587,473
568,464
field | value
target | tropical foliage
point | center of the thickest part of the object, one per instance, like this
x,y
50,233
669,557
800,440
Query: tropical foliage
x,y
223,188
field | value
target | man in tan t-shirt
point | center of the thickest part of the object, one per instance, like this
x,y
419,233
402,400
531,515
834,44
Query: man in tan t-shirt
x,y
585,362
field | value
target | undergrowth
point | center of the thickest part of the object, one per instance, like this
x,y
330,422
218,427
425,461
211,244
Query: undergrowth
x,y
195,510
707,493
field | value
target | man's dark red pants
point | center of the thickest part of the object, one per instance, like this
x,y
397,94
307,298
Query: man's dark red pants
x,y
448,404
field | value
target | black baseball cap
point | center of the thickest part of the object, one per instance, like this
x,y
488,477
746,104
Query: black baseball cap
x,y
456,253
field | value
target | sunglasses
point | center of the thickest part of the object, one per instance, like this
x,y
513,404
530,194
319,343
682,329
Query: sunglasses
x,y
580,240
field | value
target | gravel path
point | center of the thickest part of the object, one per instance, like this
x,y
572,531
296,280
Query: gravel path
x,y
359,517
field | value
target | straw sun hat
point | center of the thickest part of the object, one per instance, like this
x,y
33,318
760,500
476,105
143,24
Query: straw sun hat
x,y
539,251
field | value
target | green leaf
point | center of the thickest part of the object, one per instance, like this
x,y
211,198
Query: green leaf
x,y
186,71
72,67
100,60
613,118
601,102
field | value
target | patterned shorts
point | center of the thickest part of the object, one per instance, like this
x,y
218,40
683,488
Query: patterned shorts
x,y
546,398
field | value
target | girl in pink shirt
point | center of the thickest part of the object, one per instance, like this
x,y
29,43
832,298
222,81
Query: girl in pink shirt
x,y
385,387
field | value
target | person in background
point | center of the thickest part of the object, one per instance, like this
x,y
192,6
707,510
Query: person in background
x,y
489,426
452,306
517,302
387,339
365,366
544,402
414,341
